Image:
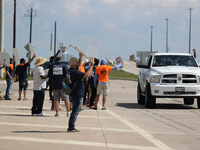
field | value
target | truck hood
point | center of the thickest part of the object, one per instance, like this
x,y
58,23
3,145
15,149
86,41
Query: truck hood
x,y
176,70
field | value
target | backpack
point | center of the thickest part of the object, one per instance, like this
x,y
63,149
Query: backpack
x,y
66,84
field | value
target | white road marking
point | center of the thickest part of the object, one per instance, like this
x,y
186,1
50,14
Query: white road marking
x,y
81,143
145,134
64,127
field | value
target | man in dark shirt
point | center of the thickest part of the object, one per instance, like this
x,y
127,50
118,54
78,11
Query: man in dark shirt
x,y
78,91
57,73
21,76
9,78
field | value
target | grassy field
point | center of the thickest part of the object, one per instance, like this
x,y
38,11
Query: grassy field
x,y
112,74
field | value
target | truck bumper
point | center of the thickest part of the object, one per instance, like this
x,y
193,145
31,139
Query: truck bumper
x,y
175,91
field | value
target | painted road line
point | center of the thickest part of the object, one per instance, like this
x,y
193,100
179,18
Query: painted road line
x,y
53,113
64,127
145,134
81,143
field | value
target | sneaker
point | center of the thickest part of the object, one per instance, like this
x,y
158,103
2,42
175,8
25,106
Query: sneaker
x,y
25,99
19,99
68,114
56,115
32,114
91,107
72,130
40,114
95,108
104,108
7,98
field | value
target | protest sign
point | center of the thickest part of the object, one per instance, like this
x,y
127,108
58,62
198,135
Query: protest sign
x,y
93,47
4,58
117,60
80,51
16,54
31,49
63,50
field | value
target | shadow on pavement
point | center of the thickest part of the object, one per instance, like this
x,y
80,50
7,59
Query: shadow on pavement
x,y
158,106
40,131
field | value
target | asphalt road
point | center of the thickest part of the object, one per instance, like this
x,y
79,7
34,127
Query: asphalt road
x,y
124,125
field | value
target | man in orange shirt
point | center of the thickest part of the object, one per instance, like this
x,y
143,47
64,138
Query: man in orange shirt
x,y
102,73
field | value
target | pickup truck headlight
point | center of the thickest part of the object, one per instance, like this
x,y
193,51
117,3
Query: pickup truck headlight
x,y
155,78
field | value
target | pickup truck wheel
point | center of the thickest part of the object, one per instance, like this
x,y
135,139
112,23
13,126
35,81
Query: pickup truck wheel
x,y
140,97
188,101
198,102
150,101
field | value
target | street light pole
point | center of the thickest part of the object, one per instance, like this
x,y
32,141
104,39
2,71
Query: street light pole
x,y
1,30
151,38
190,29
167,50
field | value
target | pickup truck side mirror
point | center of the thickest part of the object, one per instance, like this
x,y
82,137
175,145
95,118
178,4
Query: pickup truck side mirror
x,y
144,66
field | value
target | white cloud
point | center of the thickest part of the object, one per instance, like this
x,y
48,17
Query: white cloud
x,y
110,25
52,10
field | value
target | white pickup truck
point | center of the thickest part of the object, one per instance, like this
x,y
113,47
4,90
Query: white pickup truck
x,y
168,75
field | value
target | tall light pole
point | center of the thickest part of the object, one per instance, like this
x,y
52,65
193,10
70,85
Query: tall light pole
x,y
190,29
1,30
167,48
151,38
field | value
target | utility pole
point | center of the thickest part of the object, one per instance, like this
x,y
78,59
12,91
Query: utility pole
x,y
55,40
167,48
151,38
30,36
190,29
1,30
14,29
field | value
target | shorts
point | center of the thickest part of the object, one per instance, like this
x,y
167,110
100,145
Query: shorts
x,y
23,85
57,94
104,88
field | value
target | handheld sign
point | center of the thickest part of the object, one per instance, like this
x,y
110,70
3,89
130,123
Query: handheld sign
x,y
16,54
80,51
93,47
4,58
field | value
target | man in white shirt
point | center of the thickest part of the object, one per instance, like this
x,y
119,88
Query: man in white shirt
x,y
39,87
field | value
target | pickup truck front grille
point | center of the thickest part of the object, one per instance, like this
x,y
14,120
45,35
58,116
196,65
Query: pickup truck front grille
x,y
179,78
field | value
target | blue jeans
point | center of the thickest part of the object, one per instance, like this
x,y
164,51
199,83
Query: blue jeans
x,y
9,85
76,103
38,100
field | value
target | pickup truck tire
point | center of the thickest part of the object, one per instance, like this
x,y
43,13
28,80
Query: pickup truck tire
x,y
188,101
150,101
198,102
140,97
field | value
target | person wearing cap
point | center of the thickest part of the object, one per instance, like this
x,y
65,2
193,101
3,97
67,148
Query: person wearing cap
x,y
101,73
57,73
9,78
39,87
77,93
21,76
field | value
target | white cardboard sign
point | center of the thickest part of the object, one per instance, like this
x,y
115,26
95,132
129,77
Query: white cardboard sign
x,y
16,54
80,51
93,47
4,58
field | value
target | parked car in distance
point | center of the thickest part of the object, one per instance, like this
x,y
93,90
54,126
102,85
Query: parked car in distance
x,y
169,75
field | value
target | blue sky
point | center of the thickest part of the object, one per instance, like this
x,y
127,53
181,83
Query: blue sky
x,y
123,26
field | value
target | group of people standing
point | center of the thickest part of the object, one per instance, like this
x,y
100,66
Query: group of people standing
x,y
96,77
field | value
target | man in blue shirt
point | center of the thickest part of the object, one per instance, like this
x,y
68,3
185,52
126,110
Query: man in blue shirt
x,y
9,78
78,91
57,73
21,76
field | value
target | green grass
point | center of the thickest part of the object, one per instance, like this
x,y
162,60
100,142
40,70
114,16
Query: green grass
x,y
121,74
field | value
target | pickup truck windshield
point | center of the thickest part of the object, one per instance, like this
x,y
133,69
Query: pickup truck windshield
x,y
174,60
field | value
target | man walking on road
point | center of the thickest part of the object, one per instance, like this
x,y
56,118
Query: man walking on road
x,y
102,73
78,91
